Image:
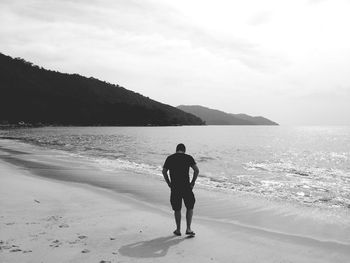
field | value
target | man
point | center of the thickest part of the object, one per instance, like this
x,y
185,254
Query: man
x,y
178,164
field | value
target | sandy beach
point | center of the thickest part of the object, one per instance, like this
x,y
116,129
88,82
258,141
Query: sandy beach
x,y
56,209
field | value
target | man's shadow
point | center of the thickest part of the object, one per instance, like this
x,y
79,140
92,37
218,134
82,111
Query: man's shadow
x,y
150,249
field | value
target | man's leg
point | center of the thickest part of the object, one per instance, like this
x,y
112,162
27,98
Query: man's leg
x,y
177,215
189,200
189,214
176,202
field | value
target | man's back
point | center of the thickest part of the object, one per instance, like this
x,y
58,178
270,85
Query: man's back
x,y
179,164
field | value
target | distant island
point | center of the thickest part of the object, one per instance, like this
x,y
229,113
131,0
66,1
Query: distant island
x,y
216,117
34,95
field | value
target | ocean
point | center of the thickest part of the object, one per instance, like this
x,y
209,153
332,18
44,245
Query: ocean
x,y
309,166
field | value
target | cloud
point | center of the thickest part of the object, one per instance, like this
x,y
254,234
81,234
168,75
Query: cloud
x,y
260,18
246,56
128,23
312,2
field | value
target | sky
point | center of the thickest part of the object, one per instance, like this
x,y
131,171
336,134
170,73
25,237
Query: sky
x,y
287,60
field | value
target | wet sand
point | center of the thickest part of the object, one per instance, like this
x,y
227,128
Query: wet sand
x,y
60,209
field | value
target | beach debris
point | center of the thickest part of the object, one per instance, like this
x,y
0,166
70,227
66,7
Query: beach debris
x,y
63,226
85,251
82,237
37,201
10,223
105,261
27,251
112,238
115,253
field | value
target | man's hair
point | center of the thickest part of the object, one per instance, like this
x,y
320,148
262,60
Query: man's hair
x,y
181,147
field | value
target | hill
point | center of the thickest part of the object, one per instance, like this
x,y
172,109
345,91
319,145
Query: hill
x,y
33,94
216,117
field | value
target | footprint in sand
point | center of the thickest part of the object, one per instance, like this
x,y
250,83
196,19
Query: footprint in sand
x,y
56,243
79,240
6,247
53,218
15,250
74,242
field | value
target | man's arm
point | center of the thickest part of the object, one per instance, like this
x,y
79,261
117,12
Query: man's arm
x,y
195,174
166,177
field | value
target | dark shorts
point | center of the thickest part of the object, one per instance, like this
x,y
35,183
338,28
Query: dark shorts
x,y
177,195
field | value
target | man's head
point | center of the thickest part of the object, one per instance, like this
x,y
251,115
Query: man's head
x,y
180,148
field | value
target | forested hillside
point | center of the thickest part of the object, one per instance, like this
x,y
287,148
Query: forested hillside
x,y
35,95
216,117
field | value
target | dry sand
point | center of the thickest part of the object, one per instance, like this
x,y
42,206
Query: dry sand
x,y
47,220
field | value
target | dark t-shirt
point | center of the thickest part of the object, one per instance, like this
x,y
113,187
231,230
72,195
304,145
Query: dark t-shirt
x,y
179,165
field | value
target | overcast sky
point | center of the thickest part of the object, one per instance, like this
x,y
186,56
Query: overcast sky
x,y
287,60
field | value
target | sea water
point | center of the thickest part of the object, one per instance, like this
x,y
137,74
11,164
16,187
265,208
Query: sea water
x,y
305,165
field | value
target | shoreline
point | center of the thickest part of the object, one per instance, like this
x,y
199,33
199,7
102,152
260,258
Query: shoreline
x,y
262,173
23,171
238,208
